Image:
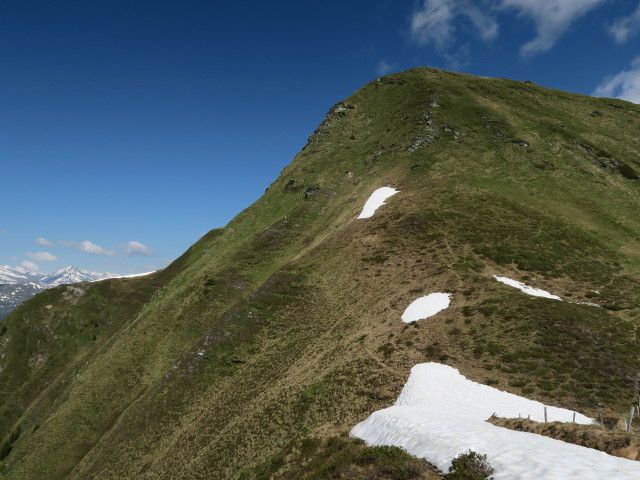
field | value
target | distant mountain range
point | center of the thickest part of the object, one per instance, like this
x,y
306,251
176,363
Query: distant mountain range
x,y
18,284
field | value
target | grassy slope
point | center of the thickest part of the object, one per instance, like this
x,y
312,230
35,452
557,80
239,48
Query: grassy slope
x,y
285,324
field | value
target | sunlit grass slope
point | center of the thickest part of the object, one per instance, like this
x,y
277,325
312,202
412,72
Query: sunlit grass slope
x,y
283,328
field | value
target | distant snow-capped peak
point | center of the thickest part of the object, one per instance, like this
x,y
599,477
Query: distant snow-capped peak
x,y
73,274
11,275
18,275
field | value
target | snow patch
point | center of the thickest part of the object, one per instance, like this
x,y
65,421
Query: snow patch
x,y
536,292
425,307
376,200
440,414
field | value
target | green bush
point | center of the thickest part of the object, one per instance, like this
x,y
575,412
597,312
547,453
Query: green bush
x,y
470,466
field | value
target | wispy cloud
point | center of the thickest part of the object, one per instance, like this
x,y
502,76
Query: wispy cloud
x,y
89,247
385,67
41,256
486,25
2,232
435,22
459,58
134,248
432,23
32,267
552,18
624,85
626,27
44,242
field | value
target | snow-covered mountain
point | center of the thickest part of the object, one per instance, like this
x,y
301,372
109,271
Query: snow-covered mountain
x,y
18,284
74,275
13,294
18,275
13,275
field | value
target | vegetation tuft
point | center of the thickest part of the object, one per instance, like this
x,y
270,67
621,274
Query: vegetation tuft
x,y
470,466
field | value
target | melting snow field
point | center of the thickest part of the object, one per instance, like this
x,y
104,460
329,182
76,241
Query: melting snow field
x,y
425,307
376,200
536,292
440,414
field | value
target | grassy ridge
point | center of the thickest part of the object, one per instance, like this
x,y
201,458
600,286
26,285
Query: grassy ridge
x,y
285,324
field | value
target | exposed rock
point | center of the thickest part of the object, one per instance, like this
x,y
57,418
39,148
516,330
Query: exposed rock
x,y
420,141
389,80
521,143
292,186
606,161
494,126
309,192
338,111
586,149
426,119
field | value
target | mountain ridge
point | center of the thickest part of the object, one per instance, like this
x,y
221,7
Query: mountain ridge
x,y
18,284
284,327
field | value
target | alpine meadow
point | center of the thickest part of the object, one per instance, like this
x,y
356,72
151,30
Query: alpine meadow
x,y
256,353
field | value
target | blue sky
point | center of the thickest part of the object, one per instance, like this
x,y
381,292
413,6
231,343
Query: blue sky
x,y
130,128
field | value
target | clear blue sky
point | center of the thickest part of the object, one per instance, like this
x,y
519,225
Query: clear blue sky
x,y
130,128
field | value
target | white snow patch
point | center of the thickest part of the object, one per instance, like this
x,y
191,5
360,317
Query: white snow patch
x,y
536,292
376,200
440,414
425,307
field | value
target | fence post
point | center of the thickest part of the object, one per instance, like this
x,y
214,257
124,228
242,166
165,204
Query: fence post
x,y
601,414
545,414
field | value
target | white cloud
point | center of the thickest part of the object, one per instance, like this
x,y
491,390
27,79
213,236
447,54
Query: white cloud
x,y
552,18
136,248
486,25
626,27
384,67
460,58
432,22
44,242
89,247
624,85
32,267
42,256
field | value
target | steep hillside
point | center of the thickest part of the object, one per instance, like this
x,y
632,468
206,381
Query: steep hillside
x,y
284,328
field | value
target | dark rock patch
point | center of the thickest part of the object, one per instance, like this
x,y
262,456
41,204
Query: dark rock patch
x,y
308,193
292,186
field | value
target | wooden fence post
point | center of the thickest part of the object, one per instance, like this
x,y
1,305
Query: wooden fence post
x,y
601,414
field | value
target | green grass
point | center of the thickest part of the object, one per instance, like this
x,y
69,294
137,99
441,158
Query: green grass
x,y
340,457
286,322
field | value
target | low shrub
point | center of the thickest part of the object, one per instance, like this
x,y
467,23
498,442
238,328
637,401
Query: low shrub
x,y
470,466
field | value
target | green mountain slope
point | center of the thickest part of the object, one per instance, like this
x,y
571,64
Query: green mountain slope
x,y
284,326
